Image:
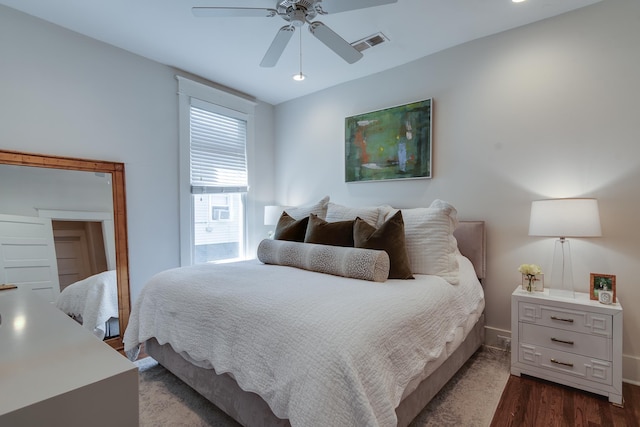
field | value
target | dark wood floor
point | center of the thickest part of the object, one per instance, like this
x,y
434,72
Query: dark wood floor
x,y
530,402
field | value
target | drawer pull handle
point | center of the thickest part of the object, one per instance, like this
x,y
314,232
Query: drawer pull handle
x,y
562,341
562,363
561,319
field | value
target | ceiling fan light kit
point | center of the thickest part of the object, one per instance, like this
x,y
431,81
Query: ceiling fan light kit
x,y
297,13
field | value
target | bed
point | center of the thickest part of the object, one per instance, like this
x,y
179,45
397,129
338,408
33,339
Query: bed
x,y
275,345
93,302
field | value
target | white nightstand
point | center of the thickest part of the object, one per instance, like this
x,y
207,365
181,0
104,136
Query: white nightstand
x,y
575,342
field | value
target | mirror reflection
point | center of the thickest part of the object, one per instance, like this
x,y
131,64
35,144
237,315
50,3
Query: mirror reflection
x,y
57,239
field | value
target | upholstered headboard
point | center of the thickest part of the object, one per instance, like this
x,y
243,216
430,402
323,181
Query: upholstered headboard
x,y
471,242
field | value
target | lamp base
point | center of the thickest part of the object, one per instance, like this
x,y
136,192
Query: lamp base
x,y
562,271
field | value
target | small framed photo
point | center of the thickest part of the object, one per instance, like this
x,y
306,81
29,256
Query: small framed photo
x,y
602,282
537,284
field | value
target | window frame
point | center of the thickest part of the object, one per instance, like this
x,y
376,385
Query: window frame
x,y
221,102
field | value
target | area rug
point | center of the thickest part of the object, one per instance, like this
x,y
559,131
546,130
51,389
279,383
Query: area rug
x,y
469,399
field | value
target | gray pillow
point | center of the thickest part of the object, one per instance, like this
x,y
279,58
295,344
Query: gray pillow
x,y
364,264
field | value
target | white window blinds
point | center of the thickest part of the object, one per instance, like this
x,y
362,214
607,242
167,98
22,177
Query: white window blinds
x,y
217,152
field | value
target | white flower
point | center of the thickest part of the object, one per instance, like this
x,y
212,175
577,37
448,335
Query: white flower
x,y
530,269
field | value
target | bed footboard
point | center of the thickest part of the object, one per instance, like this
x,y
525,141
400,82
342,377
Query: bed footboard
x,y
249,409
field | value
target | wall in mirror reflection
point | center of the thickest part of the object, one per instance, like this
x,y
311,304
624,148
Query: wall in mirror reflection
x,y
57,239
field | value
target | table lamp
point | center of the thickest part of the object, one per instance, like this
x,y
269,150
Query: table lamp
x,y
564,218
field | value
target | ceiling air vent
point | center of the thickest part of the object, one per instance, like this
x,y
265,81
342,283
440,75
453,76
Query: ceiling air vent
x,y
370,41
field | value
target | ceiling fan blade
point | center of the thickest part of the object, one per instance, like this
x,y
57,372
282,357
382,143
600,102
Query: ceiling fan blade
x,y
334,42
232,12
277,46
335,6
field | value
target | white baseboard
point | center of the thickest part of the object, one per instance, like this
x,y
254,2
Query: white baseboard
x,y
500,338
631,369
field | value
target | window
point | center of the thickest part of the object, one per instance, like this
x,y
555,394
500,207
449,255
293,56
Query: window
x,y
218,230
214,176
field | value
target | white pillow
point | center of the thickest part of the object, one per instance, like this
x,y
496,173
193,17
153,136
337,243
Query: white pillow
x,y
430,242
299,212
337,212
385,212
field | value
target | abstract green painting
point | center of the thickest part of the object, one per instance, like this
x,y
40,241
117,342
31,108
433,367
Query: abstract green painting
x,y
393,143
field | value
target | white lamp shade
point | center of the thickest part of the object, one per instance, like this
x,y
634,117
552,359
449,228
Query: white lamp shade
x,y
565,218
272,214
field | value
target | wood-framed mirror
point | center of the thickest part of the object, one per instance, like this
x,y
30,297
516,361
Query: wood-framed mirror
x,y
114,175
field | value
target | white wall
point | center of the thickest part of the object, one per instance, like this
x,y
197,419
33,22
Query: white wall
x,y
65,94
547,110
23,191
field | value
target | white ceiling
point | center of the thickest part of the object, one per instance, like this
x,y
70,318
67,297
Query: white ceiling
x,y
228,50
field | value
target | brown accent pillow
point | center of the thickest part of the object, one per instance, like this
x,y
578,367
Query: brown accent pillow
x,y
338,233
389,238
290,229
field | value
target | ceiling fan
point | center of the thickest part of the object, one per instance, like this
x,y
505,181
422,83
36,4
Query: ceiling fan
x,y
297,13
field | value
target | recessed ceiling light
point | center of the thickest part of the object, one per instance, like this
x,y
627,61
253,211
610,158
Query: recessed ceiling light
x,y
518,1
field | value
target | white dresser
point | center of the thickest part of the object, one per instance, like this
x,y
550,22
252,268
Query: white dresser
x,y
575,342
53,372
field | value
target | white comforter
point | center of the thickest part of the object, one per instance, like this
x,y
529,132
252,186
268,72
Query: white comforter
x,y
320,350
94,299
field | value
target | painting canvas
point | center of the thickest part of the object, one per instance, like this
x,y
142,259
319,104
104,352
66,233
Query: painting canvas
x,y
393,143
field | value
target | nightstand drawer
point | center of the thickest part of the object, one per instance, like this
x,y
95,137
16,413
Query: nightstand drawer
x,y
566,363
562,340
571,320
